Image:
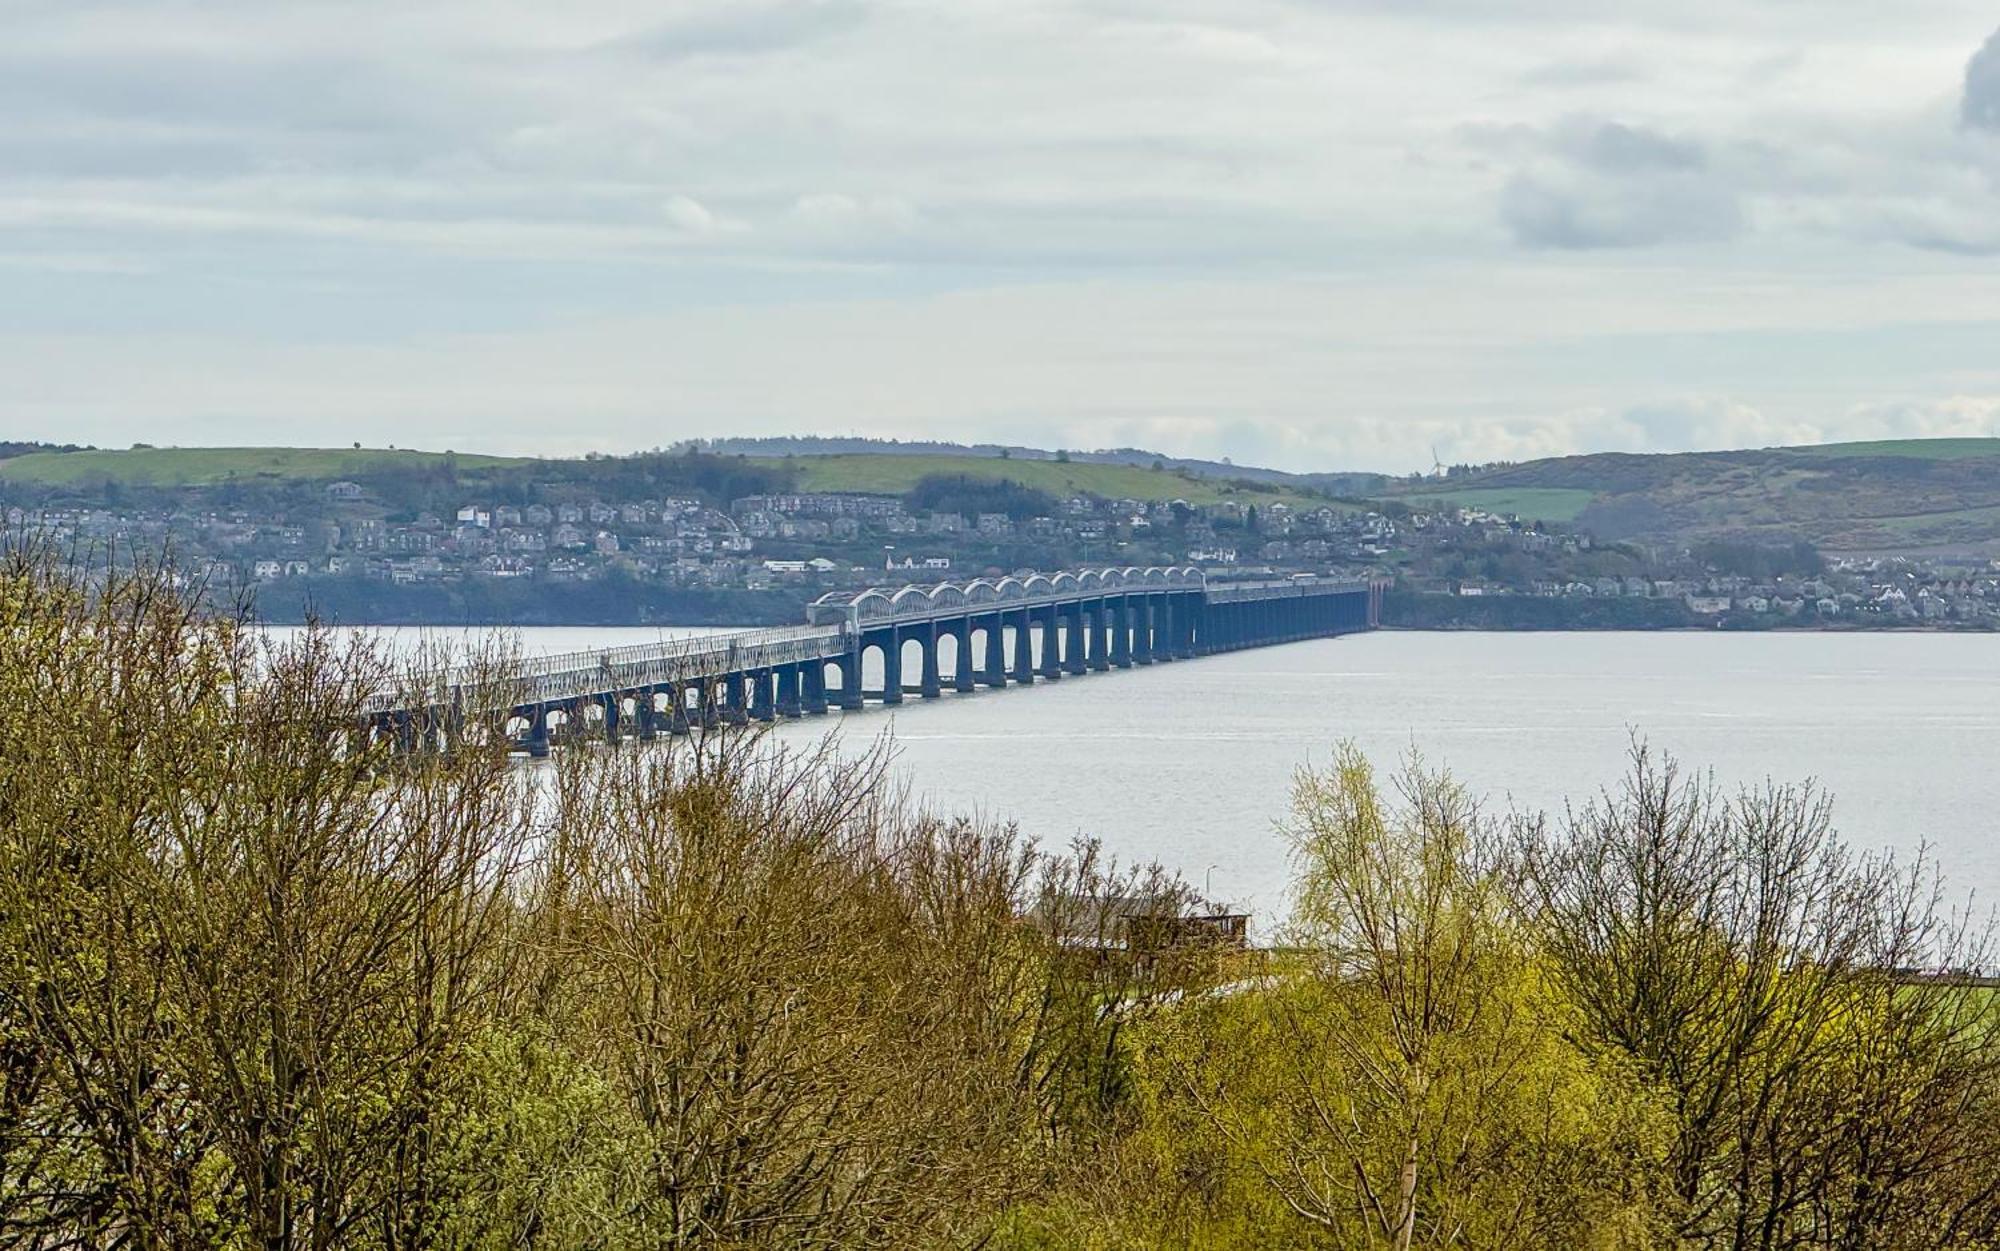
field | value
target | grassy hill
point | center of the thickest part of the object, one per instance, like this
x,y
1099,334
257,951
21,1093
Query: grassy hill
x,y
893,475
877,474
1933,495
202,466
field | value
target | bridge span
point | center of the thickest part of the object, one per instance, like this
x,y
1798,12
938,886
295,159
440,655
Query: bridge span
x,y
1017,629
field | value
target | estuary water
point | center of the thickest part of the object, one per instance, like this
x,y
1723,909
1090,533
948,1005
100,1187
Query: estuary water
x,y
1190,763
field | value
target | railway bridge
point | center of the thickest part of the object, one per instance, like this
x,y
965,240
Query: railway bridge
x,y
921,640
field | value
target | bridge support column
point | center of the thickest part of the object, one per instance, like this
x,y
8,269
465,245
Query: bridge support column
x,y
613,706
964,673
1073,658
648,717
1142,631
538,730
1024,648
994,673
733,710
1051,625
1121,631
763,695
1100,635
789,702
892,667
813,697
677,710
1164,648
930,685
850,680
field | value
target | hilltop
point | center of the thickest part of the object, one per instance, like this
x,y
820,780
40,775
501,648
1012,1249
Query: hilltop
x,y
1937,496
1910,495
85,472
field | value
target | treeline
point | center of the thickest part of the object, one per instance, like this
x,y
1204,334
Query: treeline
x,y
969,496
265,982
442,485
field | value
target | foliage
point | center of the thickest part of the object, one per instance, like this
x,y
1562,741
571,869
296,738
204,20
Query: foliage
x,y
969,496
268,981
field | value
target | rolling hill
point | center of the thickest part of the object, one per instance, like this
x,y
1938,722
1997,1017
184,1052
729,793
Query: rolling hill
x,y
204,466
1910,495
82,472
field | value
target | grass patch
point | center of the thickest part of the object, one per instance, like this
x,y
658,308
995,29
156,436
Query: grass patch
x,y
201,466
1916,449
1527,503
894,475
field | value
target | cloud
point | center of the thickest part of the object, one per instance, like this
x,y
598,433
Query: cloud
x,y
689,215
1609,184
1979,107
1240,226
746,28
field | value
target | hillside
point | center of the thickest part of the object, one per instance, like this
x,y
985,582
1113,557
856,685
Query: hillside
x,y
203,466
894,475
83,472
1916,495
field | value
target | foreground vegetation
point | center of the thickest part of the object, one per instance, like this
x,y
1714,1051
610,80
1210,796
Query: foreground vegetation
x,y
264,984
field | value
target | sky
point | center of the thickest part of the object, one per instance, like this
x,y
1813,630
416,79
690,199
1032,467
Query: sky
x,y
1312,234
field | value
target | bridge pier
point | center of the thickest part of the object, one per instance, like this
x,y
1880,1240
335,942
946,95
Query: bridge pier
x,y
964,673
1142,631
733,710
929,684
763,695
814,696
995,671
892,667
850,678
790,701
1073,660
1099,630
1024,649
1051,645
1121,632
613,705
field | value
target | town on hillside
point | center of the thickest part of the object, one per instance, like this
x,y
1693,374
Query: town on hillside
x,y
760,554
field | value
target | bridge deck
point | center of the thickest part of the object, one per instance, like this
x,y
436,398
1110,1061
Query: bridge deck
x,y
844,624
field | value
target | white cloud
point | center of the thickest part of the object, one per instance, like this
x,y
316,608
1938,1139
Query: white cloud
x,y
689,215
1327,233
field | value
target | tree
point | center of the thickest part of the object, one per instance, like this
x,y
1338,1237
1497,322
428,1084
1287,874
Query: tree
x,y
1410,1088
1757,974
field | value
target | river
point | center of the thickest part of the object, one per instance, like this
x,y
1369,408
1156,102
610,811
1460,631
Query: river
x,y
1190,763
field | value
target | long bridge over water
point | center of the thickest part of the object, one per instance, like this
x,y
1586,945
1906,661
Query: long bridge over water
x,y
996,630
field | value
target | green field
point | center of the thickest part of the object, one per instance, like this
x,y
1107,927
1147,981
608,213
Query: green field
x,y
893,475
1916,449
198,466
1527,503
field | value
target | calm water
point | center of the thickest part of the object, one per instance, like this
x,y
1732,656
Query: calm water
x,y
1190,762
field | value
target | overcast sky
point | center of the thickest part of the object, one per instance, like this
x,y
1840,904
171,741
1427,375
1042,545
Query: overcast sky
x,y
1317,234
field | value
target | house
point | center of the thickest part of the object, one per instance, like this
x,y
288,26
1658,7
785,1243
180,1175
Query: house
x,y
344,491
1708,605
